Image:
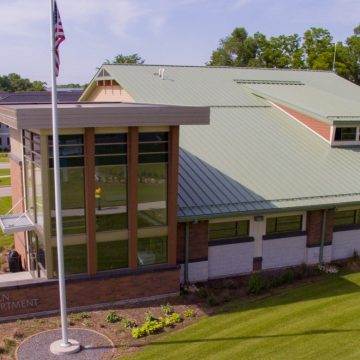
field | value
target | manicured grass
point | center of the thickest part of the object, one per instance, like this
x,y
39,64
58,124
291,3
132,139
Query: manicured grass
x,y
5,181
4,172
5,240
311,321
4,158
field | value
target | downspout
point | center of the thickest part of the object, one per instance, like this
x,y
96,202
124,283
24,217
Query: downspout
x,y
323,235
186,257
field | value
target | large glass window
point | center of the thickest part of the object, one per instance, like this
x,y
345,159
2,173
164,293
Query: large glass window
x,y
152,250
229,229
152,195
283,224
33,183
345,134
71,153
347,217
152,183
111,200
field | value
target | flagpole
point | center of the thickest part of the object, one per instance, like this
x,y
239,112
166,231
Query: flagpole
x,y
64,345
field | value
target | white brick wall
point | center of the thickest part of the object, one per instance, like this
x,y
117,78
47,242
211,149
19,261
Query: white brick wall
x,y
231,259
313,253
344,244
284,252
198,271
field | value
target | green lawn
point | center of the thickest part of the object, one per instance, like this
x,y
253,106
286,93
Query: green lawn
x,y
5,181
5,205
311,321
4,172
4,158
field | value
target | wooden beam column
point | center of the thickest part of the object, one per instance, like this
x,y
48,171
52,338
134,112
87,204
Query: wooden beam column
x,y
133,150
173,173
90,205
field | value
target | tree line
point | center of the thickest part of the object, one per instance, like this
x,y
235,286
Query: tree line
x,y
314,50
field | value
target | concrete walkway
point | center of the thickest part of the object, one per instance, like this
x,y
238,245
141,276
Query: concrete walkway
x,y
5,191
4,165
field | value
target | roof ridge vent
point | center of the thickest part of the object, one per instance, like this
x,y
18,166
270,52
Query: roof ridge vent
x,y
269,82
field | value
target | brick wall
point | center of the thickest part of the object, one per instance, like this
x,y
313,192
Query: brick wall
x,y
313,226
180,247
44,296
319,127
198,240
17,195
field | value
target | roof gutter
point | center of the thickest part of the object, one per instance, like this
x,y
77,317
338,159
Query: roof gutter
x,y
266,211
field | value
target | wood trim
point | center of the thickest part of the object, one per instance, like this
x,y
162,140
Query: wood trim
x,y
133,145
173,173
89,157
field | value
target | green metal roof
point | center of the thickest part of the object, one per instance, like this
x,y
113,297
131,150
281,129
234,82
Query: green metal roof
x,y
253,157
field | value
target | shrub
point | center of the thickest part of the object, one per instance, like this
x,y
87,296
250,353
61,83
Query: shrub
x,y
149,316
167,309
203,292
256,284
189,313
150,327
112,317
138,333
288,276
129,324
212,300
355,256
80,316
230,284
276,281
8,345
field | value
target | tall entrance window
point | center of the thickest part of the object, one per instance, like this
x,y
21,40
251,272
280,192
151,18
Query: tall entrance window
x,y
152,197
111,201
71,151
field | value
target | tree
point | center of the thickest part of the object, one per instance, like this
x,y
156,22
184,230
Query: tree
x,y
126,59
238,49
14,82
71,86
315,50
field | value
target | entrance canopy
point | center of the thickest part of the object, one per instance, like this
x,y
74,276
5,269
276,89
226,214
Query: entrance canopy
x,y
13,223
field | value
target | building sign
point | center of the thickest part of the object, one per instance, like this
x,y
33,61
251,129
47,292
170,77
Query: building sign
x,y
9,304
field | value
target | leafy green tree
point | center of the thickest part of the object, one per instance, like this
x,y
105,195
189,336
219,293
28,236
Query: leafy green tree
x,y
126,59
14,82
318,48
71,86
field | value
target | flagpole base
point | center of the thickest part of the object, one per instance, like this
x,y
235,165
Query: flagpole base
x,y
58,348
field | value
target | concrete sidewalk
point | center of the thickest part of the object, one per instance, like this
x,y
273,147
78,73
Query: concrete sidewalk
x,y
5,191
4,165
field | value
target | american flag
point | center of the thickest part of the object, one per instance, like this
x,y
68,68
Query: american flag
x,y
59,36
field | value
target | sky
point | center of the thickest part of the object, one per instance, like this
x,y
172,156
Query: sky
x,y
179,32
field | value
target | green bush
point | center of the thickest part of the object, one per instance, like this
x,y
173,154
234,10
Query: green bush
x,y
288,276
355,256
150,327
138,333
256,284
167,309
112,317
212,300
129,324
149,316
189,313
203,292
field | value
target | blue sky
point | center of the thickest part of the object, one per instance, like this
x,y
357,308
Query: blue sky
x,y
180,32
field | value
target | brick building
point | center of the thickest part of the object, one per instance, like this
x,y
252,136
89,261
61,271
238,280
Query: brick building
x,y
272,182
